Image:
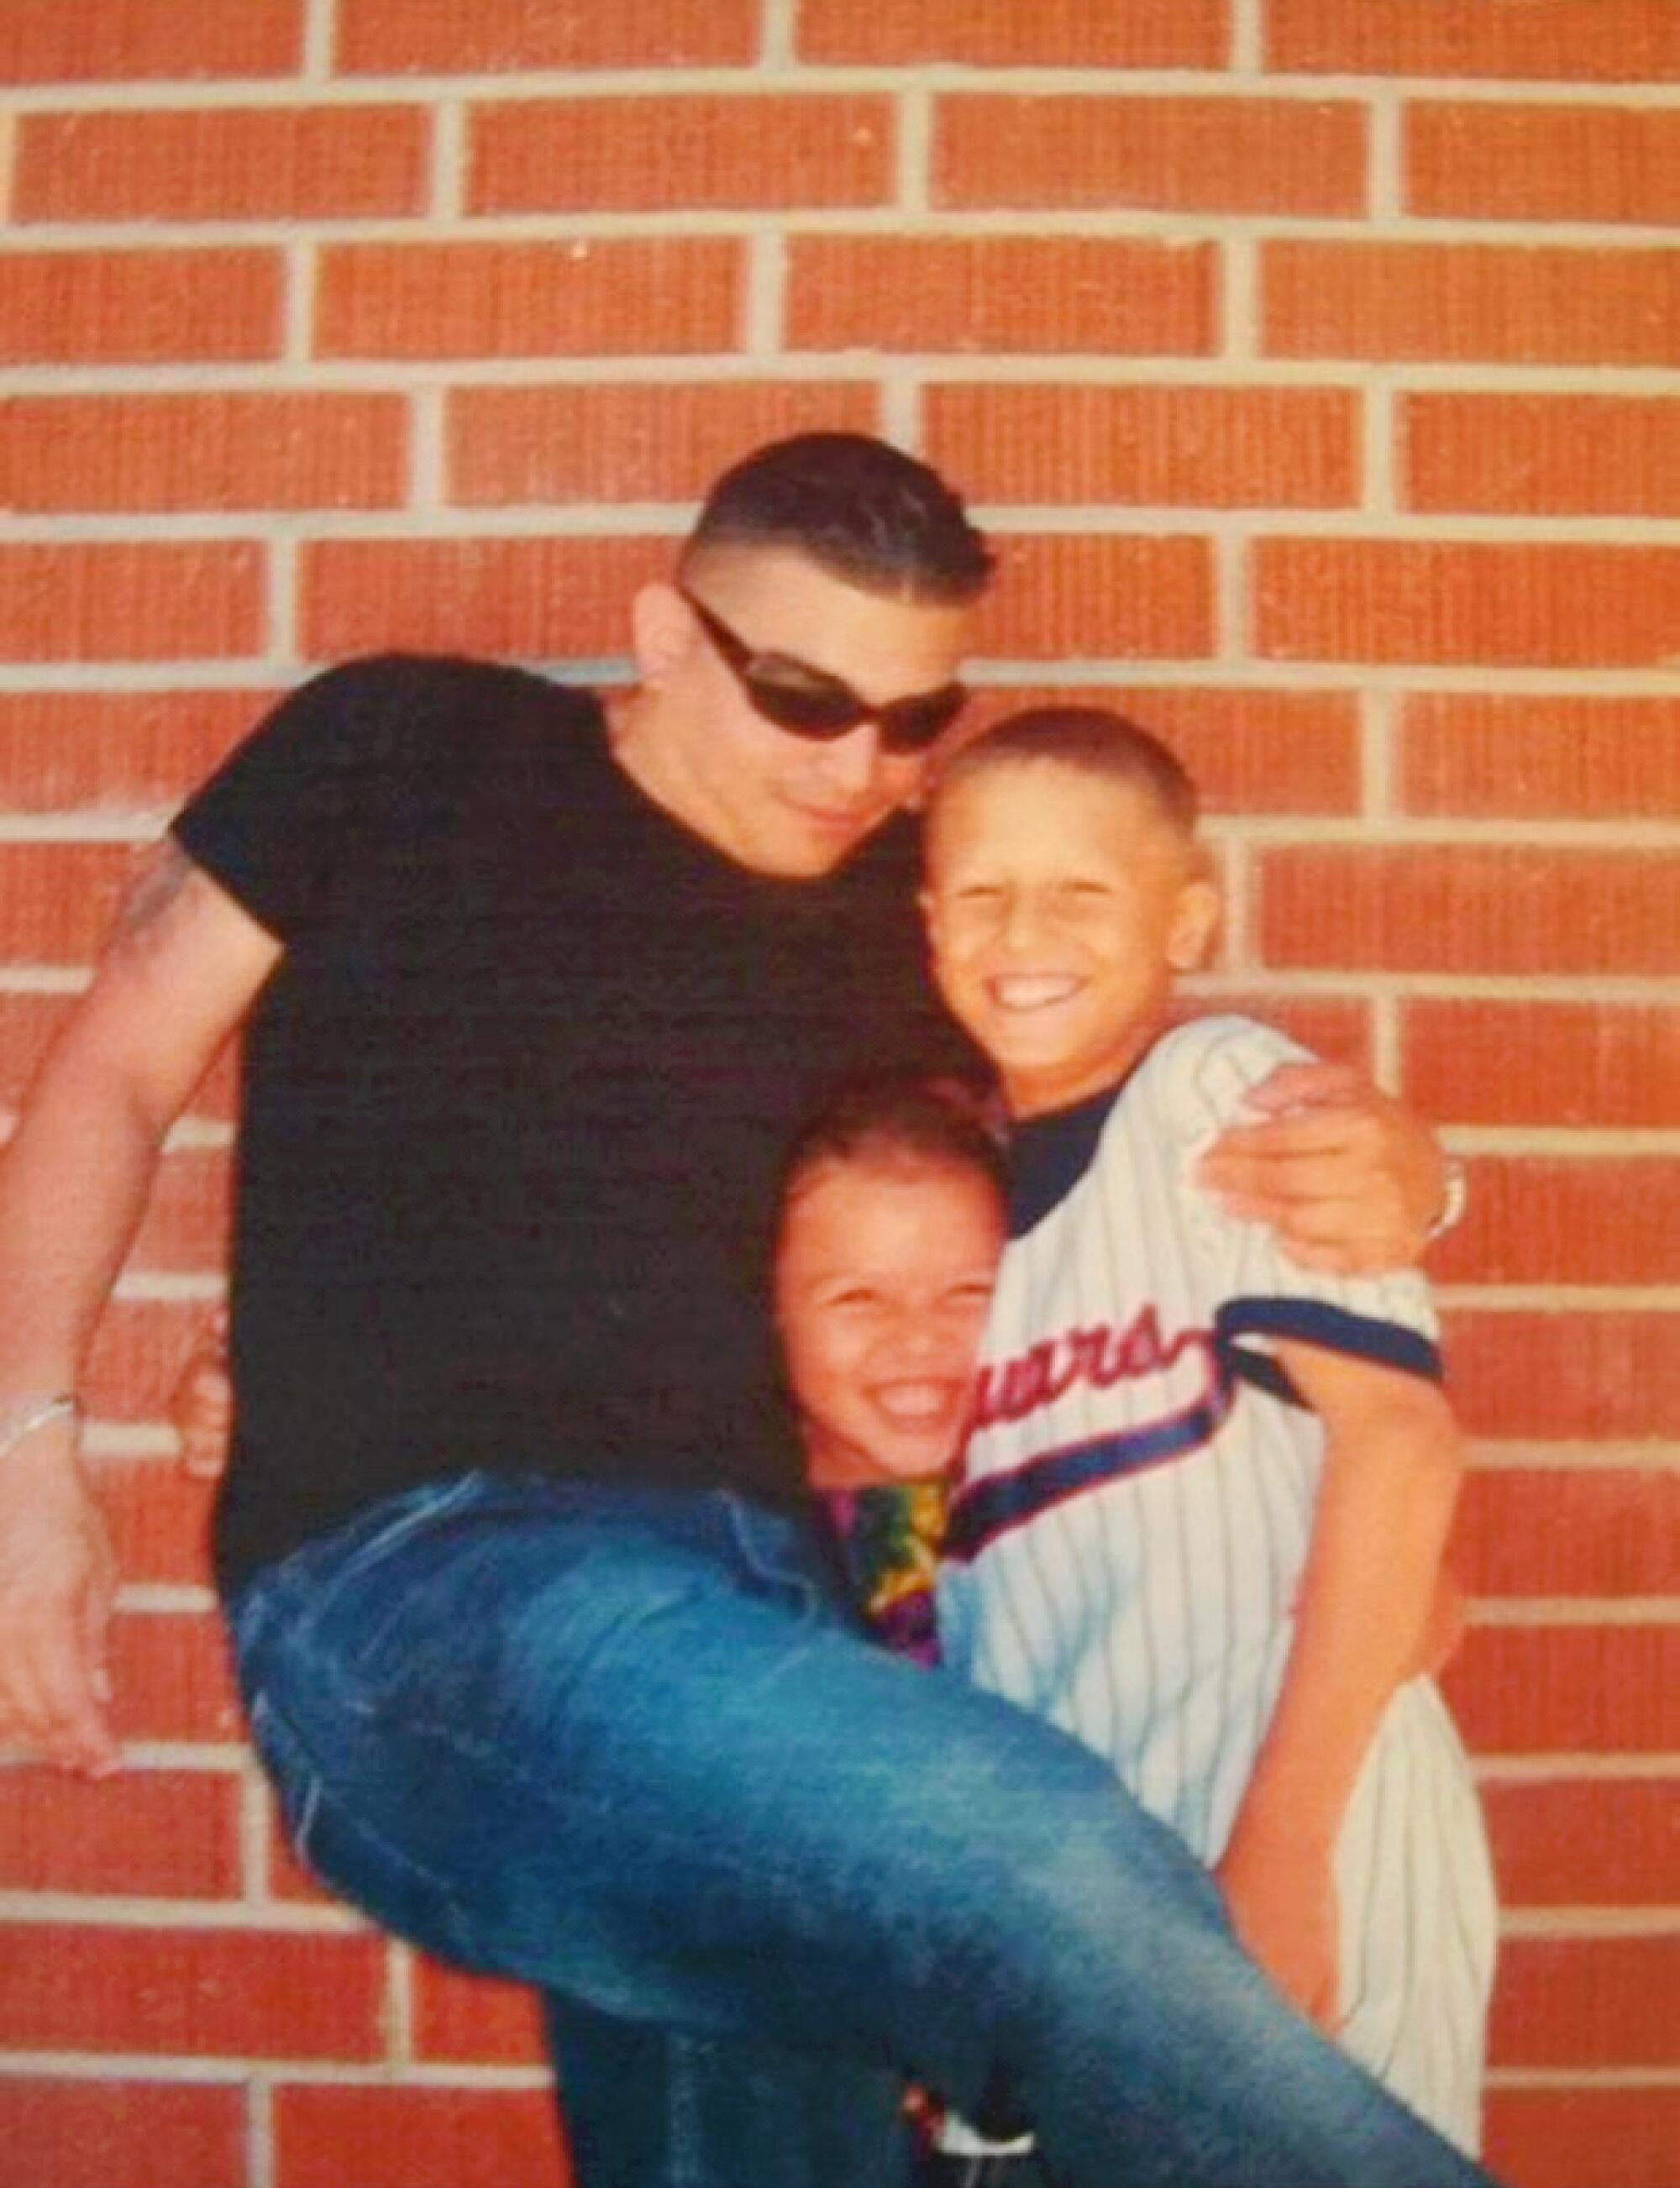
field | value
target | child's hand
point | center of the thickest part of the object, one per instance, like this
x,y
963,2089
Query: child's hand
x,y
201,1404
1281,1902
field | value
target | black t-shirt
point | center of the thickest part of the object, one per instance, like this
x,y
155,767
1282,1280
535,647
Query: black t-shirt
x,y
514,1098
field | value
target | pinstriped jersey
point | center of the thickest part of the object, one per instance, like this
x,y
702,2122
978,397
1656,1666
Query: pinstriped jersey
x,y
1137,1492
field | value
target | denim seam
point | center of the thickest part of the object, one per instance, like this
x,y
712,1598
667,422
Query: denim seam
x,y
320,1796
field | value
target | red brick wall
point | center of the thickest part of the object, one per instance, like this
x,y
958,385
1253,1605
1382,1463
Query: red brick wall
x,y
1314,363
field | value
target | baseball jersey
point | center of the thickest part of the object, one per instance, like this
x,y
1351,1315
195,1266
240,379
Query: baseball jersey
x,y
1134,1513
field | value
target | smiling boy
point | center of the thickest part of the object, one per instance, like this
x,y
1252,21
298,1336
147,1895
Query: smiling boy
x,y
1205,1493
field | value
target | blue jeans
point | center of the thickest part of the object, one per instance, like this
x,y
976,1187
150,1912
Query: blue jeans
x,y
625,1746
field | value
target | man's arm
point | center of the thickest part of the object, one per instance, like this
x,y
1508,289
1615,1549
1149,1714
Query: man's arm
x,y
180,970
1351,1182
1392,1468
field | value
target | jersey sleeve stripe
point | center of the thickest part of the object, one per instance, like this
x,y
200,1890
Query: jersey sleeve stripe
x,y
1316,1321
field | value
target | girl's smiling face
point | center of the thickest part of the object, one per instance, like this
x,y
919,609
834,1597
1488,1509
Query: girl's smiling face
x,y
884,1273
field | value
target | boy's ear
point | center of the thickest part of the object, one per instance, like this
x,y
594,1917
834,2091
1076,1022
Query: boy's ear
x,y
662,631
1195,920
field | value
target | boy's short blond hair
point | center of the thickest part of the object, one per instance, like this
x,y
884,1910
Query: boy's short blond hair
x,y
1096,741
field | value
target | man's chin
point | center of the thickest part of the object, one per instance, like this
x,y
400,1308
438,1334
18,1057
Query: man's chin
x,y
826,836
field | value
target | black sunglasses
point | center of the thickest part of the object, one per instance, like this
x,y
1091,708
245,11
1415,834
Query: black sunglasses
x,y
809,702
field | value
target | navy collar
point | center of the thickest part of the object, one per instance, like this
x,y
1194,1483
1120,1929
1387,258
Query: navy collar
x,y
1049,1154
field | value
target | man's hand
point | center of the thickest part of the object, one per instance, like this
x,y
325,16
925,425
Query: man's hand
x,y
1349,1180
201,1404
1281,1902
57,1582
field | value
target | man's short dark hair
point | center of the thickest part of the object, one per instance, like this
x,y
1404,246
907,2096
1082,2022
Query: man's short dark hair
x,y
1091,740
893,1119
859,508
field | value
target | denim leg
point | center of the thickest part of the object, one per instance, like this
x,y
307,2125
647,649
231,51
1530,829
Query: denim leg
x,y
644,2105
619,1745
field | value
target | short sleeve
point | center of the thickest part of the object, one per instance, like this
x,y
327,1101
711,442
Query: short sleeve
x,y
1262,1294
280,813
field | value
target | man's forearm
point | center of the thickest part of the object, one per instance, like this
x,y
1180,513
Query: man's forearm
x,y
73,1188
73,1184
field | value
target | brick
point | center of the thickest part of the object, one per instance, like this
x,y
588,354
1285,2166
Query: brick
x,y
158,1519
543,598
122,2134
224,451
199,1994
187,1218
170,1672
1250,751
286,1877
1542,1218
1234,155
1485,1062
131,600
417,2138
223,163
139,307
64,751
1571,1373
136,1357
1518,606
1192,34
1585,1841
1584,2137
1541,455
663,295
1115,297
1567,1689
1256,750
1555,1531
637,442
168,1833
1492,755
587,155
1209,448
1585,2002
1494,303
436,37
1061,595
63,40
1583,41
57,899
1482,161
1469,908
463,2018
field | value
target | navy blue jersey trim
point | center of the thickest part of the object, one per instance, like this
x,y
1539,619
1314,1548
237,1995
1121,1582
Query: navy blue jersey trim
x,y
1049,1154
1316,1321
1002,1501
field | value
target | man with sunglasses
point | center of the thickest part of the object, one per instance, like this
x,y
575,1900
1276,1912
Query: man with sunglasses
x,y
532,1636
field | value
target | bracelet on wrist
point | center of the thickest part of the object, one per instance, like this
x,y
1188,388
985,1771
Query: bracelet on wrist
x,y
24,1420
